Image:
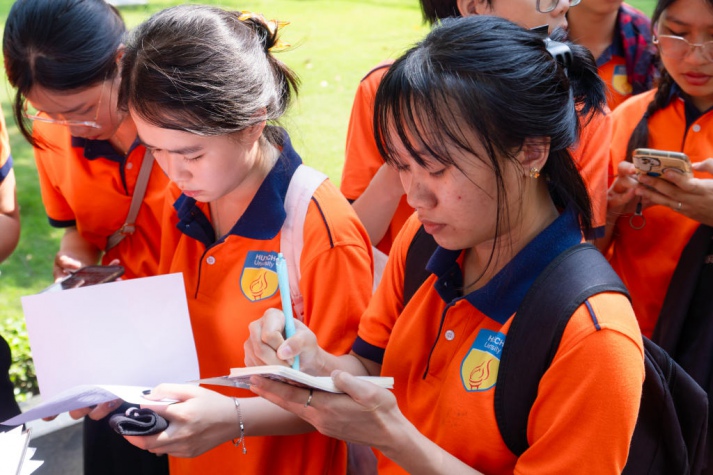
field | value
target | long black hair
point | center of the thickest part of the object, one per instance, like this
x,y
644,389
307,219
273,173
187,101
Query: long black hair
x,y
59,45
487,77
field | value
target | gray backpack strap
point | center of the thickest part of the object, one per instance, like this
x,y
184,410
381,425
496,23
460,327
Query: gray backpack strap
x,y
136,200
303,184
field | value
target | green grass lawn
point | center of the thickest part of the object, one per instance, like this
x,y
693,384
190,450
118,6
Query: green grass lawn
x,y
333,44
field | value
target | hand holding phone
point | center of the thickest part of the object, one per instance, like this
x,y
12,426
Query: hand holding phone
x,y
88,275
653,162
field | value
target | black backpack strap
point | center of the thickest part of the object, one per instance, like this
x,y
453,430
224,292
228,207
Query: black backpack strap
x,y
419,252
536,330
680,294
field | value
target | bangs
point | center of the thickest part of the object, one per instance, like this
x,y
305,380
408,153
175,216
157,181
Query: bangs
x,y
419,115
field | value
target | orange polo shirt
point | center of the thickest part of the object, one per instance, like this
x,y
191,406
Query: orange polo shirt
x,y
646,258
232,281
87,184
362,158
587,405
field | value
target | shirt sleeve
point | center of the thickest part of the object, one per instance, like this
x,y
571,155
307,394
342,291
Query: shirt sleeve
x,y
336,270
362,159
588,400
386,304
592,159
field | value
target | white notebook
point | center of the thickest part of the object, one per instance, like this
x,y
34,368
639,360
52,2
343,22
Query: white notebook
x,y
240,377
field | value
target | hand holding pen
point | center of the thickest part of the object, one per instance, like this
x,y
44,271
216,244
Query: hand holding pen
x,y
284,285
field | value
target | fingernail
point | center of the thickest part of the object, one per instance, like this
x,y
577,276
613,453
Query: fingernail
x,y
146,391
285,352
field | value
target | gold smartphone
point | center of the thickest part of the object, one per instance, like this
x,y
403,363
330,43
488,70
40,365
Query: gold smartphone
x,y
653,162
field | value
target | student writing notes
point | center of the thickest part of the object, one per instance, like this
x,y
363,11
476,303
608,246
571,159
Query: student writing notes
x,y
205,88
481,144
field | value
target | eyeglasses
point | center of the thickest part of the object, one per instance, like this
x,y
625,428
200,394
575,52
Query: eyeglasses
x,y
69,123
546,6
677,47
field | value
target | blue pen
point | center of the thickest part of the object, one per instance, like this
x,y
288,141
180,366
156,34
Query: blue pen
x,y
283,281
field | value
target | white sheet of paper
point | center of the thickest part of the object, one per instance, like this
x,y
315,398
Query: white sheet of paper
x,y
13,446
78,397
133,332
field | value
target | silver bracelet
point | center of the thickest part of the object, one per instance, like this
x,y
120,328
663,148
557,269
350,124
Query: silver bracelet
x,y
241,440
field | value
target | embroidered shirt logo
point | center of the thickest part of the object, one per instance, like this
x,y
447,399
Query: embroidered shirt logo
x,y
259,278
479,369
620,81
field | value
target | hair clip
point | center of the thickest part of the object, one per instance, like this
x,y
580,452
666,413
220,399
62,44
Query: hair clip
x,y
272,25
560,51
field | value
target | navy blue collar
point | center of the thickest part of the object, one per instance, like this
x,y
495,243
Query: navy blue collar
x,y
264,216
94,149
500,297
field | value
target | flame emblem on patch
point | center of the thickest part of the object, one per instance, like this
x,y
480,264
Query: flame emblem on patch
x,y
479,369
258,286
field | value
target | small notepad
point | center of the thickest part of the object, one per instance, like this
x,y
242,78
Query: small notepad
x,y
240,377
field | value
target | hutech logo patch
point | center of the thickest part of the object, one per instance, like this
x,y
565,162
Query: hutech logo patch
x,y
479,369
259,278
619,80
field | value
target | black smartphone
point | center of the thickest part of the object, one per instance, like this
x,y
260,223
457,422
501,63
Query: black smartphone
x,y
88,275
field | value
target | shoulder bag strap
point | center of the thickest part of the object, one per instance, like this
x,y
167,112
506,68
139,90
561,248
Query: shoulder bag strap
x,y
303,184
136,200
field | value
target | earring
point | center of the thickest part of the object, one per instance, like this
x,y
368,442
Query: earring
x,y
534,172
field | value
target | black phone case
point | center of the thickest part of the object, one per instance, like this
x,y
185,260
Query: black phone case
x,y
137,421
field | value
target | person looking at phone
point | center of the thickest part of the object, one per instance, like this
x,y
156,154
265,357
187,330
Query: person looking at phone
x,y
677,117
619,37
205,89
62,57
373,187
655,224
480,137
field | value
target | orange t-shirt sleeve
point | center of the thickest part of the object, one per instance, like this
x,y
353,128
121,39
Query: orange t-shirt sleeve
x,y
47,161
362,158
386,304
588,400
592,158
332,309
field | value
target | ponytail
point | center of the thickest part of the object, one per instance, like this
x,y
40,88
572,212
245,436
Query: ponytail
x,y
588,88
207,71
267,32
